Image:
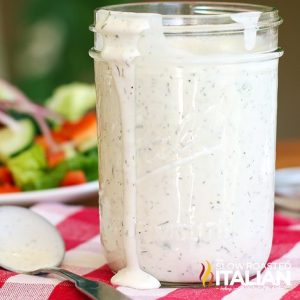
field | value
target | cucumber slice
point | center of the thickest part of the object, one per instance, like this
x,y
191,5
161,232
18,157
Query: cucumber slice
x,y
12,142
73,100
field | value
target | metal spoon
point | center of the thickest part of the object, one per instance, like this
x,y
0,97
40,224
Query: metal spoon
x,y
29,244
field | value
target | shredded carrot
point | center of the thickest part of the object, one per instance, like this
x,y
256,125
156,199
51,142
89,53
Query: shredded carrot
x,y
73,178
5,175
55,158
84,128
9,188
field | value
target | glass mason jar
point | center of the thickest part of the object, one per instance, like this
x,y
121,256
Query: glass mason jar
x,y
187,95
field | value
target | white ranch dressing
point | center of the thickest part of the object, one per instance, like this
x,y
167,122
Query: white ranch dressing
x,y
128,37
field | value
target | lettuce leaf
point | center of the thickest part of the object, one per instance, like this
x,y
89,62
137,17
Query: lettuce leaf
x,y
28,166
87,162
30,170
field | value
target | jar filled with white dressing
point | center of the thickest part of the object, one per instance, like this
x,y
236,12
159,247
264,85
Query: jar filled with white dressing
x,y
187,99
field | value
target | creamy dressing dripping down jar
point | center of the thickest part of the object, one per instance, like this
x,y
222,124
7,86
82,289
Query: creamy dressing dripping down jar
x,y
187,97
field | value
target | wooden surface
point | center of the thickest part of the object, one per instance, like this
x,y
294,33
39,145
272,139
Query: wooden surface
x,y
288,154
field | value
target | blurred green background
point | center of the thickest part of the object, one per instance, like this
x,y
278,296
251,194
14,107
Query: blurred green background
x,y
45,43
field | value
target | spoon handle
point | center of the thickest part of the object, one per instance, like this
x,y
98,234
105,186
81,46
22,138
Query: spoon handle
x,y
93,289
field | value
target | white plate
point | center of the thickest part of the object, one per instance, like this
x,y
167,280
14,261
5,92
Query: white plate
x,y
287,189
84,191
287,182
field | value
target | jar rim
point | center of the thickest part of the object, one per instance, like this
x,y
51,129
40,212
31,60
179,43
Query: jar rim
x,y
198,16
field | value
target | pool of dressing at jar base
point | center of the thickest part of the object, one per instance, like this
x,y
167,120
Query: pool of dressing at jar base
x,y
135,278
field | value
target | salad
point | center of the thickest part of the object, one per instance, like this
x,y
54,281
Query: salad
x,y
44,147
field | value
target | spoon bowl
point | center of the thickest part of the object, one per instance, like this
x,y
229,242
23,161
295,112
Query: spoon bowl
x,y
30,244
28,241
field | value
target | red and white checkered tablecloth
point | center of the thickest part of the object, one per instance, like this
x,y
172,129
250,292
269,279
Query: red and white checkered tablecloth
x,y
79,227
